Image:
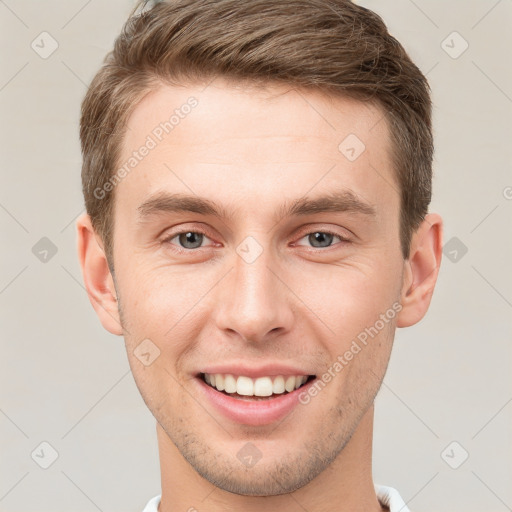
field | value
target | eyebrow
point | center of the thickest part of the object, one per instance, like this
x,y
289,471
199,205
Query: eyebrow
x,y
342,201
336,202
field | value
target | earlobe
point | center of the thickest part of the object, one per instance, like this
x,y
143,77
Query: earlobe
x,y
97,277
421,270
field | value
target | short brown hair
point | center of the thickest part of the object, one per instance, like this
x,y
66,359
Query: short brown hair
x,y
332,46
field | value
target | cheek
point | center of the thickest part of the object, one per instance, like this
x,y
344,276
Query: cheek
x,y
154,299
348,298
167,306
171,303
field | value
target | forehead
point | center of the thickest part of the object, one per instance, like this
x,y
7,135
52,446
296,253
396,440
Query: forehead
x,y
242,145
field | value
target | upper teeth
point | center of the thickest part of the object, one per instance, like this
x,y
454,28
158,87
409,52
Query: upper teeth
x,y
262,386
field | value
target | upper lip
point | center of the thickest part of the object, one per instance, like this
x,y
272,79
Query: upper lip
x,y
252,371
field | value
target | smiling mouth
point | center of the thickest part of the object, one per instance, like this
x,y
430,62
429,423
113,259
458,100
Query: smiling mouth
x,y
261,388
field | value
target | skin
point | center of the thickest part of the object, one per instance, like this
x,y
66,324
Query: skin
x,y
250,150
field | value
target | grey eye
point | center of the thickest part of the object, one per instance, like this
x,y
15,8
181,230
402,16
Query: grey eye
x,y
190,240
320,239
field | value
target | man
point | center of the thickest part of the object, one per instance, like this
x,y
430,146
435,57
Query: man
x,y
257,176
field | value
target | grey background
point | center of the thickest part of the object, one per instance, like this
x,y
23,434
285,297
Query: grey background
x,y
66,381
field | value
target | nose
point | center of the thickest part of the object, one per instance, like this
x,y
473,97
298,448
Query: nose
x,y
254,301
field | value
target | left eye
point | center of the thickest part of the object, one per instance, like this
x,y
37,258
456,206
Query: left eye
x,y
189,239
320,239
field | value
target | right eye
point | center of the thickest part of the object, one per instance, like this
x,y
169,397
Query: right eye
x,y
187,240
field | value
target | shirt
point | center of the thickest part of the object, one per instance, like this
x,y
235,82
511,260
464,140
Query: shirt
x,y
387,496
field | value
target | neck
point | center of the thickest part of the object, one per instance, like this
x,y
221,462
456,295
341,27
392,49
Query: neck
x,y
346,485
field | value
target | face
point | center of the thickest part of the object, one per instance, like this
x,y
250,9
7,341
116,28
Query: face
x,y
256,240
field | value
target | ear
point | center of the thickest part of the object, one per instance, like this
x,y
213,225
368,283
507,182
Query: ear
x,y
421,270
97,277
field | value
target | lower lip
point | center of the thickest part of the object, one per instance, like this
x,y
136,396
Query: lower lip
x,y
253,412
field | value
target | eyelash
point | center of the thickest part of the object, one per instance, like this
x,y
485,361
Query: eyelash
x,y
167,240
343,240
